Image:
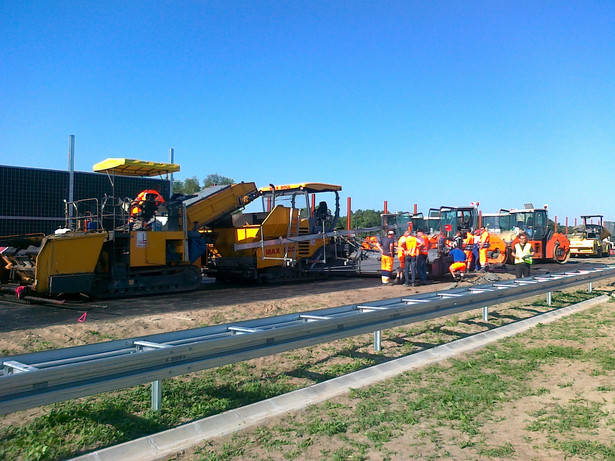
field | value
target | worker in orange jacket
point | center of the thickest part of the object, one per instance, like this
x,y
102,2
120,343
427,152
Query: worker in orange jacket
x,y
401,255
411,253
421,260
483,242
468,246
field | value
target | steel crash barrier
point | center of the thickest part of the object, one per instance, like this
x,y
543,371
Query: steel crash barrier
x,y
41,378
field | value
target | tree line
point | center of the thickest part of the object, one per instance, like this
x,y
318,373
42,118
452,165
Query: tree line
x,y
192,185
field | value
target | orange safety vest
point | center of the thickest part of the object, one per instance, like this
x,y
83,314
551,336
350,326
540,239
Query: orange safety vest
x,y
412,246
401,248
484,240
468,242
423,244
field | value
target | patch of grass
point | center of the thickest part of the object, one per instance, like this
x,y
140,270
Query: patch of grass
x,y
505,451
34,343
98,336
585,449
328,427
227,451
580,414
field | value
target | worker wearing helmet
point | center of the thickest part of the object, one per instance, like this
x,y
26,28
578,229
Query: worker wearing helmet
x,y
522,252
483,242
421,259
468,246
401,255
387,256
476,252
411,253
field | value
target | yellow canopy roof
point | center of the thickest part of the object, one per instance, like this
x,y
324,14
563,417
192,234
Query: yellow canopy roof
x,y
306,186
131,167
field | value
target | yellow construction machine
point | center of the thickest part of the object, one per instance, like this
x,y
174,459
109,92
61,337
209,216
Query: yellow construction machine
x,y
292,237
590,239
120,247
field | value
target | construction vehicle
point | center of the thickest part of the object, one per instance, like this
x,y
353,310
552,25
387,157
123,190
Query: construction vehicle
x,y
291,238
464,220
548,244
491,222
590,239
402,221
120,247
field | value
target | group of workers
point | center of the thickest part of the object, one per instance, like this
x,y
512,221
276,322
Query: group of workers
x,y
468,252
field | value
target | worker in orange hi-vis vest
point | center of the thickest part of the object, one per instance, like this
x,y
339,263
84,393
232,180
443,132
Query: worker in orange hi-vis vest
x,y
483,242
421,260
468,245
387,256
401,255
411,253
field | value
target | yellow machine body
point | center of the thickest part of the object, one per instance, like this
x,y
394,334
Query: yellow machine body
x,y
229,198
156,248
66,255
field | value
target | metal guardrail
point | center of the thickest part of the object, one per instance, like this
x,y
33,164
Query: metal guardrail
x,y
41,378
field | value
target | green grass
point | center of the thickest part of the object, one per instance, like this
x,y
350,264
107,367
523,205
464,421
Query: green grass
x,y
463,395
579,414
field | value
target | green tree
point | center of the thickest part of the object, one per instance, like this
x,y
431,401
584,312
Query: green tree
x,y
217,180
365,218
178,186
191,185
188,186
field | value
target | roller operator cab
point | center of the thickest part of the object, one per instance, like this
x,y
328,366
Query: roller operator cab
x,y
548,245
115,247
590,239
292,237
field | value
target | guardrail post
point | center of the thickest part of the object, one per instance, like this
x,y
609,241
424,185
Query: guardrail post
x,y
485,314
377,339
156,395
590,287
549,298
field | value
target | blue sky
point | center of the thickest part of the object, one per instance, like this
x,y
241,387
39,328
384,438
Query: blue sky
x,y
435,103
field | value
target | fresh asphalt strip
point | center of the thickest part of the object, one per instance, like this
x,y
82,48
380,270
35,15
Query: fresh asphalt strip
x,y
165,444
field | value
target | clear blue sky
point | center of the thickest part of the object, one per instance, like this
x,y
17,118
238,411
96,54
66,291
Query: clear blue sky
x,y
435,103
